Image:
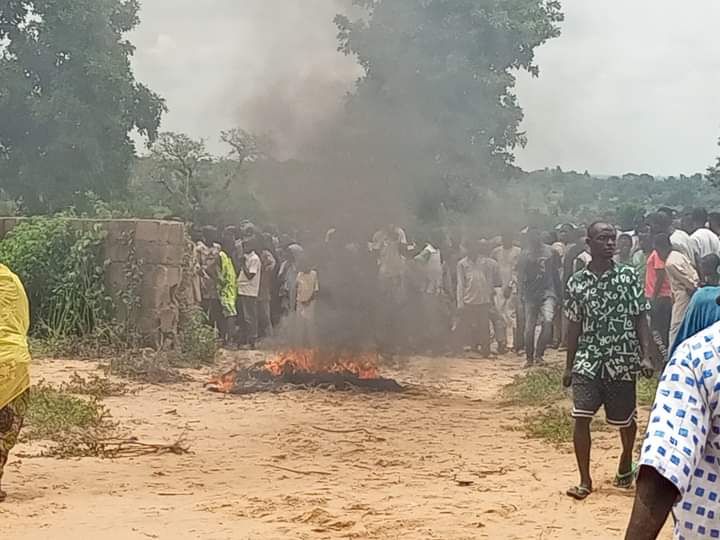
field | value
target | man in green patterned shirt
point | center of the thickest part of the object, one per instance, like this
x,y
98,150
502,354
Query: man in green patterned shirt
x,y
607,336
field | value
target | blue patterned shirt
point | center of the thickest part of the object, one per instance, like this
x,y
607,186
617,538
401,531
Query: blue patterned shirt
x,y
683,438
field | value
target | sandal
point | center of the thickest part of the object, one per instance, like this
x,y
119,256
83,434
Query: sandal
x,y
579,493
625,481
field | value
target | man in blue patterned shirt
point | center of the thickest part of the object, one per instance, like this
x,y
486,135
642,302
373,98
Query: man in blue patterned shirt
x,y
607,334
680,462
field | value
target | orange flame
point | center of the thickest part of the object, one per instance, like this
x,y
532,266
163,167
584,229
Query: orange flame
x,y
362,365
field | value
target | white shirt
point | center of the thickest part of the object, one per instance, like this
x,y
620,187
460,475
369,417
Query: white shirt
x,y
683,437
682,242
246,286
432,266
704,242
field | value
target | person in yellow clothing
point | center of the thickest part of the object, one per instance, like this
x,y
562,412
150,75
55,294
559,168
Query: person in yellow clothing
x,y
14,363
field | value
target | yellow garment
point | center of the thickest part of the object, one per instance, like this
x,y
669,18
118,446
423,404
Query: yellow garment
x,y
14,325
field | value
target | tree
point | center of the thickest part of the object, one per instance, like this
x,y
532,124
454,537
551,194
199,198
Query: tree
x,y
181,164
439,76
245,146
69,100
713,173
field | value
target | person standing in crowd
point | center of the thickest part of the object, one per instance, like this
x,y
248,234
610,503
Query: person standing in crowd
x,y
709,270
389,245
658,290
287,280
714,222
477,278
661,222
307,290
507,256
209,257
683,279
643,251
680,461
539,289
624,249
704,241
434,313
607,334
14,364
267,274
227,287
248,281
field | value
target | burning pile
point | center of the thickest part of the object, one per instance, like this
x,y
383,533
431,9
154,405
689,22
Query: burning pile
x,y
306,368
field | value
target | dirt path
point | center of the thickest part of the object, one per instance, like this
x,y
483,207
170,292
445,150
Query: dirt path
x,y
393,481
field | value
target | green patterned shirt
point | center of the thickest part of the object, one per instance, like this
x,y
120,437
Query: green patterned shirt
x,y
606,306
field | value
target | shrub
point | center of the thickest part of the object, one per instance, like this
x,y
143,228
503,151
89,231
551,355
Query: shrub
x,y
536,387
198,340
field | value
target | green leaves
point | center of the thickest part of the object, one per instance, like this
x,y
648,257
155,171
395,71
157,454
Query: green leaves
x,y
69,100
61,267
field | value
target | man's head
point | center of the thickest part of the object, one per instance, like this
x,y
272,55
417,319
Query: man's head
x,y
251,245
566,233
472,247
210,235
601,240
533,237
228,241
661,243
709,268
659,222
484,248
698,219
624,245
644,237
714,222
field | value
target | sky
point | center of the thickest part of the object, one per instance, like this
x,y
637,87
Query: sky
x,y
628,87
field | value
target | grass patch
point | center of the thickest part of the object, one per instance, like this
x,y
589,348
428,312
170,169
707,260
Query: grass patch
x,y
95,386
536,387
646,390
555,425
54,413
148,366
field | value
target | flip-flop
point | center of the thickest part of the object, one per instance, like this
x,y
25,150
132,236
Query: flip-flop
x,y
625,481
579,493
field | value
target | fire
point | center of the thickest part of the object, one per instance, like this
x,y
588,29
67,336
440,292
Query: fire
x,y
224,383
361,365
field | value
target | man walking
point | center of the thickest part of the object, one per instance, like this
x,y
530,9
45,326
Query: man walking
x,y
539,289
507,256
607,331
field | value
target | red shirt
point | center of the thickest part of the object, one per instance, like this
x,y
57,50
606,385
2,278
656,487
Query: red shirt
x,y
655,263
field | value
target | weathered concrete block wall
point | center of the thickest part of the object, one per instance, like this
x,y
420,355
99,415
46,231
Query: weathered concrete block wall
x,y
159,250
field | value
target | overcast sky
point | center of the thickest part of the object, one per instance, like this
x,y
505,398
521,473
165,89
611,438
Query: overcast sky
x,y
629,86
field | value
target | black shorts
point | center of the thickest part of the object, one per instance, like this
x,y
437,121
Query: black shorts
x,y
618,397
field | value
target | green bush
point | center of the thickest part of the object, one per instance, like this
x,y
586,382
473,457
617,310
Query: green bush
x,y
62,269
536,387
53,414
198,340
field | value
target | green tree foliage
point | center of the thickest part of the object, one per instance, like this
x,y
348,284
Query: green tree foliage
x,y
713,173
440,75
69,100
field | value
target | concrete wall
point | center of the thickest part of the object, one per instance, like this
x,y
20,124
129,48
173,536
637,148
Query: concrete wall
x,y
159,248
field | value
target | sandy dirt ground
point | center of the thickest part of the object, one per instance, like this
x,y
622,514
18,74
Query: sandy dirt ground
x,y
395,479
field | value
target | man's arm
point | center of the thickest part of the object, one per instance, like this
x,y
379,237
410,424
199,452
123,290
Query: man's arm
x,y
654,498
645,337
460,285
573,335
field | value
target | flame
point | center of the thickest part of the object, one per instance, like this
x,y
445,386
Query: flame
x,y
224,383
362,365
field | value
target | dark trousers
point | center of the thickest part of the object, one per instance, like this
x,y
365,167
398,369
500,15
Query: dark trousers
x,y
213,311
660,315
538,312
247,308
265,325
475,324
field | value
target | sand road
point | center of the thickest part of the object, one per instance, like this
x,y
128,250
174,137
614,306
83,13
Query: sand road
x,y
263,467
